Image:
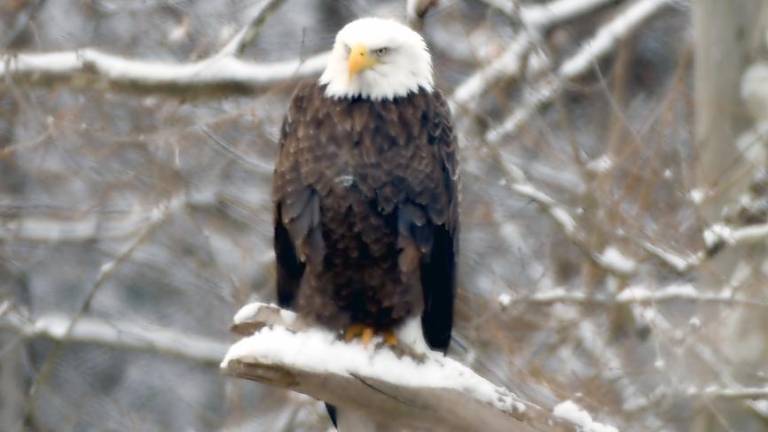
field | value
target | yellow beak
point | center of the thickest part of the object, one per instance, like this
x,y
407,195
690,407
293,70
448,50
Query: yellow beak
x,y
359,60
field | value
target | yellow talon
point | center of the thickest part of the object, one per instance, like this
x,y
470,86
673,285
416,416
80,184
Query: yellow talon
x,y
390,338
353,331
367,336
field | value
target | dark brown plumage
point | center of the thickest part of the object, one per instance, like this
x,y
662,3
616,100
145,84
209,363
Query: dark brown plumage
x,y
366,219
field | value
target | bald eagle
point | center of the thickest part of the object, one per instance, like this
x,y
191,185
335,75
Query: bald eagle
x,y
365,192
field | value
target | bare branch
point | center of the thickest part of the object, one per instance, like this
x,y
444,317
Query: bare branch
x,y
236,45
602,43
733,393
543,16
157,217
117,334
611,259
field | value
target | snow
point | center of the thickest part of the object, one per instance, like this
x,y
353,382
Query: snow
x,y
564,219
761,406
557,294
717,233
754,90
249,311
613,259
106,268
639,294
694,322
678,262
573,413
277,345
697,195
411,335
505,300
600,165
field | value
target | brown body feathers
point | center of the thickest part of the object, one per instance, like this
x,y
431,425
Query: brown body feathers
x,y
366,218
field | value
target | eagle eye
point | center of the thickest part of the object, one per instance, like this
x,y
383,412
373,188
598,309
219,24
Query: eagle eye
x,y
381,52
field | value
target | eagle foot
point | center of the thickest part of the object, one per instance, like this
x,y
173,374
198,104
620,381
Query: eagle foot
x,y
390,338
366,334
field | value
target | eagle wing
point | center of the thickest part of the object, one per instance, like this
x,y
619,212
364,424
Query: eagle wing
x,y
297,232
439,265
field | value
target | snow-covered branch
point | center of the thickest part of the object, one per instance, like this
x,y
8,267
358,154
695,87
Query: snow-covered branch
x,y
602,43
717,237
633,295
114,333
213,71
220,69
418,389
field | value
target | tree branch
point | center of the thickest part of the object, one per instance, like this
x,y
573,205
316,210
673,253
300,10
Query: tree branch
x,y
602,43
418,389
236,45
213,71
511,63
117,334
632,295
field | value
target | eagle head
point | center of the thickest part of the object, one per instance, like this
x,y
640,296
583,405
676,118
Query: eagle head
x,y
378,59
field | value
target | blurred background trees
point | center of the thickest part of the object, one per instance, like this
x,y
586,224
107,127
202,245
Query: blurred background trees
x,y
614,204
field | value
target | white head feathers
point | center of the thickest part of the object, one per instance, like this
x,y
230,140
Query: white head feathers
x,y
377,58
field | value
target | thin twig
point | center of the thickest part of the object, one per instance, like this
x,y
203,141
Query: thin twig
x,y
107,270
242,38
122,335
603,42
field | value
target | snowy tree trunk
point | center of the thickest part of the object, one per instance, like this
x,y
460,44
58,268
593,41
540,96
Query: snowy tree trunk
x,y
11,285
728,37
725,37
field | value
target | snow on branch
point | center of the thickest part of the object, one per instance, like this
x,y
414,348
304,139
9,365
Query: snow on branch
x,y
414,389
213,71
717,237
634,294
114,333
220,69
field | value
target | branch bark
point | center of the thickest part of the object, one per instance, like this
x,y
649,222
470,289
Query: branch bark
x,y
414,390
